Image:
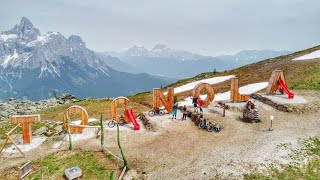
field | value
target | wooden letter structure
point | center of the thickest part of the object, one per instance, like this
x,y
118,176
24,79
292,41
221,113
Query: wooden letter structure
x,y
118,101
210,93
159,97
273,85
26,121
278,82
75,110
234,92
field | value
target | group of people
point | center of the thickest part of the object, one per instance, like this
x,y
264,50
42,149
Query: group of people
x,y
184,112
196,101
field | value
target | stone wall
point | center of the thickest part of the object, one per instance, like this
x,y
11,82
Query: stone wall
x,y
280,107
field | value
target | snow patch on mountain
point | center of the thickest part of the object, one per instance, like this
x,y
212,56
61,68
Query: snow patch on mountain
x,y
313,55
248,89
6,37
41,40
210,81
9,58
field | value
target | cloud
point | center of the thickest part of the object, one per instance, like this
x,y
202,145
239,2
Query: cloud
x,y
205,26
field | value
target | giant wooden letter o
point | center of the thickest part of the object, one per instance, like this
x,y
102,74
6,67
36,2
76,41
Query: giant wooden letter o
x,y
76,110
210,93
117,101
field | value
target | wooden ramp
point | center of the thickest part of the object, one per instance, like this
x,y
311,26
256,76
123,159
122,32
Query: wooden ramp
x,y
234,92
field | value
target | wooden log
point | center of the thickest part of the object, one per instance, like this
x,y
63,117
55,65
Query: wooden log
x,y
210,93
15,145
5,142
10,132
84,126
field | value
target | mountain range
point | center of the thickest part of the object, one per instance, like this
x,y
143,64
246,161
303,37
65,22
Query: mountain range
x,y
33,65
164,61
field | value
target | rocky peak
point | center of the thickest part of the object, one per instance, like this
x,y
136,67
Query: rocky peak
x,y
159,47
137,51
25,30
76,41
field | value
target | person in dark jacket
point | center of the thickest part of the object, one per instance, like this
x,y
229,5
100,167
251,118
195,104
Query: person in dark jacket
x,y
174,112
195,103
184,112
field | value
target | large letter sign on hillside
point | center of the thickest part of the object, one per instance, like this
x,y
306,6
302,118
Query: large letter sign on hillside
x,y
278,82
234,92
26,121
118,101
75,110
210,93
159,97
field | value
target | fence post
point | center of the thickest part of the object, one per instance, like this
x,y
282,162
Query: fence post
x,y
102,133
121,151
69,133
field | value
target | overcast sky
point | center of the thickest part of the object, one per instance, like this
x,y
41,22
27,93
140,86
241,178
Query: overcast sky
x,y
209,27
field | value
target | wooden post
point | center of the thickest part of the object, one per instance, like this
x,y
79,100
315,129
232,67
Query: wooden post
x,y
224,110
26,121
210,93
69,133
101,131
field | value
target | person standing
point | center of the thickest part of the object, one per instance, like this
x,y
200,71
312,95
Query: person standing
x,y
200,102
175,110
195,103
184,112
